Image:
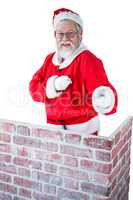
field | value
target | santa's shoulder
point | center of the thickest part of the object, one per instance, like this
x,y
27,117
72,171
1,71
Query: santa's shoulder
x,y
89,56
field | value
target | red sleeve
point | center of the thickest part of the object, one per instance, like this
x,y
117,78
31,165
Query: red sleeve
x,y
94,75
38,82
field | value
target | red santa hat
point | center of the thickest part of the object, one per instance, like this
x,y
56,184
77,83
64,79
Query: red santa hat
x,y
64,13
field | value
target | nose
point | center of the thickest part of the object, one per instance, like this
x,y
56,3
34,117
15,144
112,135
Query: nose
x,y
65,37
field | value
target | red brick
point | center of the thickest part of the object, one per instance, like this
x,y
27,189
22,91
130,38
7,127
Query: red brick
x,y
96,189
5,148
52,168
49,146
71,184
27,183
117,148
115,160
24,172
50,189
47,178
8,127
128,136
18,198
41,196
76,152
23,130
50,156
103,156
8,188
54,157
23,151
5,158
96,166
70,161
5,137
100,143
123,150
101,179
5,177
62,194
118,136
9,168
4,196
25,193
27,163
26,141
72,173
72,138
47,134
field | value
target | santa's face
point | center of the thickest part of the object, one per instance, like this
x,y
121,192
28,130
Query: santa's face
x,y
68,38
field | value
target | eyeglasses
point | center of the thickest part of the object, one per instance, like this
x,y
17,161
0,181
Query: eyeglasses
x,y
69,35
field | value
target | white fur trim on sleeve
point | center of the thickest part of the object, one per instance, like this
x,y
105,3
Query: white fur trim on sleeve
x,y
103,99
51,92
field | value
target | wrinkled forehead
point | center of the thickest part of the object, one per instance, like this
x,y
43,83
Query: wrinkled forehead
x,y
66,25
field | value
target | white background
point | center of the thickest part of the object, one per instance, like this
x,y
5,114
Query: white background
x,y
26,37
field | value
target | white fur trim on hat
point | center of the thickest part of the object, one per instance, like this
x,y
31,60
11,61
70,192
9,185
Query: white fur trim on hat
x,y
51,92
103,99
67,15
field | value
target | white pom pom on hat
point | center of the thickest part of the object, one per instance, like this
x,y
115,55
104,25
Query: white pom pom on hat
x,y
64,13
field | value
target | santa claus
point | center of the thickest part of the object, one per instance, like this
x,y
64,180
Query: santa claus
x,y
72,82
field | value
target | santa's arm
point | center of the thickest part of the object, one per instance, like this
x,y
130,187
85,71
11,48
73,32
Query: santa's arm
x,y
104,96
37,85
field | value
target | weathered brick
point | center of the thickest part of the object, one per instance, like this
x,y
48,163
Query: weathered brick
x,y
98,189
123,150
18,198
52,168
71,183
25,193
73,173
50,189
76,152
5,158
47,134
116,149
26,141
9,168
73,138
103,156
5,137
27,163
101,179
24,172
70,161
23,151
68,194
28,183
4,196
5,177
8,188
50,156
47,178
5,148
96,166
100,143
23,130
49,146
41,196
8,127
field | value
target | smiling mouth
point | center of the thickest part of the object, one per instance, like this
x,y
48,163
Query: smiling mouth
x,y
66,45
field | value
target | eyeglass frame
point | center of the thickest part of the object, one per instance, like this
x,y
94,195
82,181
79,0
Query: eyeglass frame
x,y
69,34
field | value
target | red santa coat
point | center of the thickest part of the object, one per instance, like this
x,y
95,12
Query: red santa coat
x,y
75,104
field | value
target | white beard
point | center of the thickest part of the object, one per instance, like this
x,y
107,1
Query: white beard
x,y
65,54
